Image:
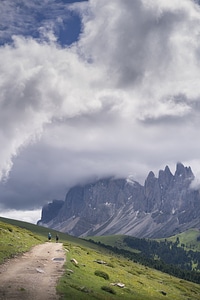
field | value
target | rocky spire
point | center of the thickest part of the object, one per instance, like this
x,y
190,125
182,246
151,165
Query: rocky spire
x,y
152,192
165,177
184,172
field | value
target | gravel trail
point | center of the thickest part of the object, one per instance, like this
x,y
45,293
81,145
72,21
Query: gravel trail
x,y
33,276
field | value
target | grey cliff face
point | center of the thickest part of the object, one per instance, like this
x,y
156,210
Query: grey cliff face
x,y
50,210
162,207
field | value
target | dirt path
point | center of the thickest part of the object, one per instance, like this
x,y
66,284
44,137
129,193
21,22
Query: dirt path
x,y
33,275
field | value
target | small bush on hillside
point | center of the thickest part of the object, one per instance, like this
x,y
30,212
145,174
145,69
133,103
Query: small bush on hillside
x,y
108,289
109,264
102,274
81,288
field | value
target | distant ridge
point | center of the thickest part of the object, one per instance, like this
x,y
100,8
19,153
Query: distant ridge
x,y
162,207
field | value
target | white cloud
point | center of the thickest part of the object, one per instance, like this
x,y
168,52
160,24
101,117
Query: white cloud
x,y
31,216
123,99
145,49
39,83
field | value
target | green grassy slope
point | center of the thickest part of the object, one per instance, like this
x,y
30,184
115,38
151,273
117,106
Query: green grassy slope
x,y
188,239
85,281
167,255
38,230
111,240
141,283
14,240
40,233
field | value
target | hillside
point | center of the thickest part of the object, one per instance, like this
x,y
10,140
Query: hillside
x,y
15,240
189,240
100,273
168,255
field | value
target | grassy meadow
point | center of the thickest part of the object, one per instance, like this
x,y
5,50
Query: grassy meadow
x,y
92,272
15,240
140,282
188,239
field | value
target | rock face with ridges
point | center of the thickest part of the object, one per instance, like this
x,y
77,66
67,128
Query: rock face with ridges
x,y
50,210
162,207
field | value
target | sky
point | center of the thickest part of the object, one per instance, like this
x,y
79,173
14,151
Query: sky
x,y
90,89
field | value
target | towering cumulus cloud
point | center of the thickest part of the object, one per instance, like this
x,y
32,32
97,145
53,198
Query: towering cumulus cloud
x,y
122,98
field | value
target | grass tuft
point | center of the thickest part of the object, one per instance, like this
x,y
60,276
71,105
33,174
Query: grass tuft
x,y
102,274
108,289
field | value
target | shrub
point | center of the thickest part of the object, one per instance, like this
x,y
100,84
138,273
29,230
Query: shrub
x,y
108,289
110,265
102,274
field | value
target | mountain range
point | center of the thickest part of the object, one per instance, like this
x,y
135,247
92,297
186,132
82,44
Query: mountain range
x,y
163,206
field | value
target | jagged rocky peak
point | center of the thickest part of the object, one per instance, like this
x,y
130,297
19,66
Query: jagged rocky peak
x,y
166,173
165,176
182,171
151,178
151,175
161,207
